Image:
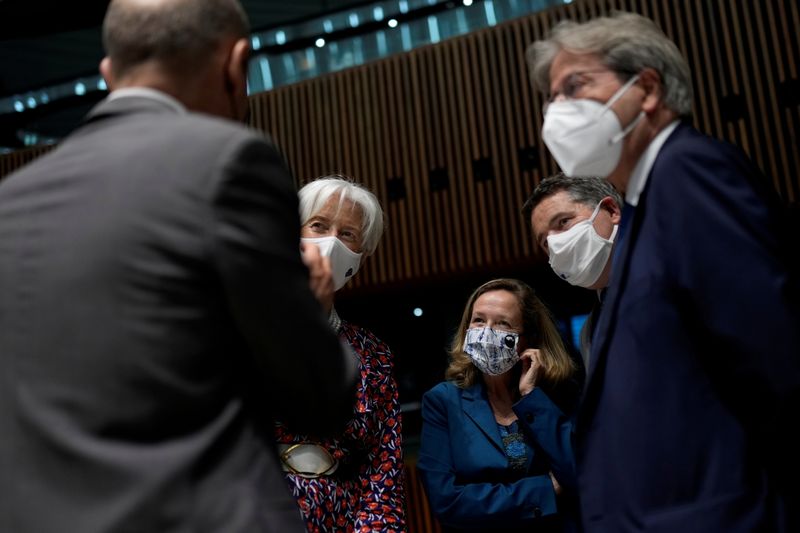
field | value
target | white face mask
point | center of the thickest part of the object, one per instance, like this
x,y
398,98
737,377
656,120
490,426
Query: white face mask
x,y
580,254
584,135
344,261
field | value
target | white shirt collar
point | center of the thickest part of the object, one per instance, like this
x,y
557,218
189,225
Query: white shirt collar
x,y
146,92
642,169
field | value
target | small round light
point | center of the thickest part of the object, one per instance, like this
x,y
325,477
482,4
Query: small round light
x,y
392,23
320,42
417,311
467,2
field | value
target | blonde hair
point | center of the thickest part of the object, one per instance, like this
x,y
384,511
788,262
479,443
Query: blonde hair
x,y
539,330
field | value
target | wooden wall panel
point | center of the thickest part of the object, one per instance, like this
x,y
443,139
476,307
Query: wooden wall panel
x,y
448,135
14,160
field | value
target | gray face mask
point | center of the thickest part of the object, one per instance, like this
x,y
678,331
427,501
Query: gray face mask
x,y
494,352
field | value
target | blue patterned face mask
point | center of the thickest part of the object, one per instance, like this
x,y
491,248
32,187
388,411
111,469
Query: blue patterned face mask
x,y
492,351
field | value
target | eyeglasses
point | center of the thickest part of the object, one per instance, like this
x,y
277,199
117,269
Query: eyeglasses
x,y
572,85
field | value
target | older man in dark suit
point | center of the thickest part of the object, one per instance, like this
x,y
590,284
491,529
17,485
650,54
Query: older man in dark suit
x,y
155,315
694,375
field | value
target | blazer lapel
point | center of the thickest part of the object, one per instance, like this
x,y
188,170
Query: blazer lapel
x,y
608,313
619,275
619,271
477,409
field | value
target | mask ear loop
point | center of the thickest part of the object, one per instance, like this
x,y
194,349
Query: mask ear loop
x,y
595,212
620,92
621,135
594,215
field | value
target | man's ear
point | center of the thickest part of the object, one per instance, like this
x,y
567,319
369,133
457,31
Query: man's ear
x,y
610,205
650,81
108,73
236,67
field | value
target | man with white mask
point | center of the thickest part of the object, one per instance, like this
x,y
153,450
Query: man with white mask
x,y
575,222
695,364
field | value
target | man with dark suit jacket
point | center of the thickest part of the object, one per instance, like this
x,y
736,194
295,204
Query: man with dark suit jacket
x,y
694,379
155,315
579,217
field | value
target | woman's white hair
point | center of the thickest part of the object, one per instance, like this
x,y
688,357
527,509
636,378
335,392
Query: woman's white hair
x,y
626,43
315,194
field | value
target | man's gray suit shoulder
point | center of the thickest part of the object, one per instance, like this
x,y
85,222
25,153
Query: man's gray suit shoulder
x,y
219,132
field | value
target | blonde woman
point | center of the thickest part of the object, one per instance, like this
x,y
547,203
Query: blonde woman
x,y
496,450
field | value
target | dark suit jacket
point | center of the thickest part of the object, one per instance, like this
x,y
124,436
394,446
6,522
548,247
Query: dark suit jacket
x,y
695,365
464,466
154,316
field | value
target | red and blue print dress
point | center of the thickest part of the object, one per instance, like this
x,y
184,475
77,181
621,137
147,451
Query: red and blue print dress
x,y
365,493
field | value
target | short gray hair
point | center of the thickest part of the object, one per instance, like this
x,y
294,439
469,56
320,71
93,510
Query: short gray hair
x,y
627,43
315,194
181,34
583,190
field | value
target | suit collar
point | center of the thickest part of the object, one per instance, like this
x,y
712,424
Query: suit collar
x,y
476,407
132,103
147,92
638,179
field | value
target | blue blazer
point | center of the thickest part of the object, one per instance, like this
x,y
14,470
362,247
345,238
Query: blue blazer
x,y
464,467
695,365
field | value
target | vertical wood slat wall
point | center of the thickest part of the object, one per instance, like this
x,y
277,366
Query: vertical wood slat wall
x,y
448,135
12,161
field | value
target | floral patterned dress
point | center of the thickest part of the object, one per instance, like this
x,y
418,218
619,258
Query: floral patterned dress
x,y
366,491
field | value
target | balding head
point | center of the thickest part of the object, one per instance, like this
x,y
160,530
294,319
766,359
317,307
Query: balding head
x,y
193,50
180,35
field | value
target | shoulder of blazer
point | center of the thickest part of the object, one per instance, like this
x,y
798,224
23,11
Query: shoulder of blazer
x,y
449,392
196,125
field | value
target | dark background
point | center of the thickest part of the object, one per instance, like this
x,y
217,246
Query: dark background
x,y
45,42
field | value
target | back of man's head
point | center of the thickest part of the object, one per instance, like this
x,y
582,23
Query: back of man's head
x,y
179,35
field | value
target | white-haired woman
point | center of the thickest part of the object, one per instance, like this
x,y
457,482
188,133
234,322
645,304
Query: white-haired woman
x,y
352,482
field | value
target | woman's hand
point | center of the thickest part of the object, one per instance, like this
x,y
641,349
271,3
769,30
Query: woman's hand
x,y
532,370
320,275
